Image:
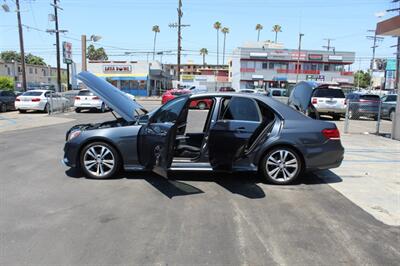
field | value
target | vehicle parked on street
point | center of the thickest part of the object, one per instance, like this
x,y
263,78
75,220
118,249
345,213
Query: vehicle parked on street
x,y
258,91
276,92
315,100
40,100
7,100
226,89
87,100
198,89
242,132
172,94
363,105
388,108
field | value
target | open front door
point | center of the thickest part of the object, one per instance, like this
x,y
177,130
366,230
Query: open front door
x,y
157,138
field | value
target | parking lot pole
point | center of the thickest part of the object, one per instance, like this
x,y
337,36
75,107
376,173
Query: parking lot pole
x,y
378,119
346,119
51,104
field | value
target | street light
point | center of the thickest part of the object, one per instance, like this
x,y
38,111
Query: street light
x,y
93,38
298,58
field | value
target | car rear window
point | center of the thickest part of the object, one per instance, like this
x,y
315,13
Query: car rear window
x,y
85,93
328,93
370,97
391,98
32,93
176,93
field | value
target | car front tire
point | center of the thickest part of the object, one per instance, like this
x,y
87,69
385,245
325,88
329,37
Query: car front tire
x,y
281,166
77,110
99,160
22,111
3,108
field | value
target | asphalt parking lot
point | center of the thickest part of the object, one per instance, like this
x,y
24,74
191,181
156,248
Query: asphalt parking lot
x,y
52,215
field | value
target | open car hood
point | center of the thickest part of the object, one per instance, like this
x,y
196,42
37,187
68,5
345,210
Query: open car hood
x,y
113,97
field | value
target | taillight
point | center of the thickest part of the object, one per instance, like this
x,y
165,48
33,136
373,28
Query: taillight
x,y
314,100
331,133
77,98
95,98
17,99
35,100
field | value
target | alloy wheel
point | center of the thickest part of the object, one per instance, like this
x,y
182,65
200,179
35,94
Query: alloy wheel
x,y
99,161
282,165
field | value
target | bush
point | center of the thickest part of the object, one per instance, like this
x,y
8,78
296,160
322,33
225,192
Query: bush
x,y
6,83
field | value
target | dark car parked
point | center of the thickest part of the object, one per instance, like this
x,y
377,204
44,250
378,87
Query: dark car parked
x,y
7,100
241,132
388,108
315,100
363,105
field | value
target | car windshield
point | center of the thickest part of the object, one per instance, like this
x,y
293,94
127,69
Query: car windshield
x,y
85,93
370,97
32,93
328,93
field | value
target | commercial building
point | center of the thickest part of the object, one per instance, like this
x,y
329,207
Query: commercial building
x,y
37,76
140,78
266,65
211,76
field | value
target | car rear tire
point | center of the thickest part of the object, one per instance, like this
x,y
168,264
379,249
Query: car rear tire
x,y
22,111
102,108
202,105
3,108
99,160
281,166
46,108
77,110
391,115
336,117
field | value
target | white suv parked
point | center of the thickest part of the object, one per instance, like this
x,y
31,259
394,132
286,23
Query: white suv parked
x,y
329,100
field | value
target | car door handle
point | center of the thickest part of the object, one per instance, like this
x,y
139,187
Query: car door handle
x,y
240,129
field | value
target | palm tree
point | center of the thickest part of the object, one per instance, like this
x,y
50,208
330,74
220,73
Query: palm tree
x,y
276,29
156,30
259,28
204,52
225,31
217,25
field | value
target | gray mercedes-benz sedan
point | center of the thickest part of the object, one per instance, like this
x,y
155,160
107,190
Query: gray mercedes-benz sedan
x,y
239,132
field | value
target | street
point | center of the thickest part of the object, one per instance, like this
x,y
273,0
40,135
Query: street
x,y
53,215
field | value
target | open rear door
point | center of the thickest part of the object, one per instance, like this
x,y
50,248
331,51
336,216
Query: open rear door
x,y
157,137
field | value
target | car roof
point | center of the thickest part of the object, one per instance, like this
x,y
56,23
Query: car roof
x,y
284,110
37,90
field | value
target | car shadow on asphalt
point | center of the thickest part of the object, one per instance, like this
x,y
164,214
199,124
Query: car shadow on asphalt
x,y
245,184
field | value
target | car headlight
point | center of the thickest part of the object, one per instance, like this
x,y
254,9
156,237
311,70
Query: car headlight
x,y
74,134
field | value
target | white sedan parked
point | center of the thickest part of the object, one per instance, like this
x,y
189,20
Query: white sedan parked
x,y
87,100
41,100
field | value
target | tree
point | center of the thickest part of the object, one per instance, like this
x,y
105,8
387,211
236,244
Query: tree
x,y
225,31
10,56
6,83
276,29
204,52
259,28
96,54
217,26
156,29
362,79
34,60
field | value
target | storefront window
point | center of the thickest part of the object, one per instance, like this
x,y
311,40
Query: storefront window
x,y
326,67
134,84
265,65
124,84
142,84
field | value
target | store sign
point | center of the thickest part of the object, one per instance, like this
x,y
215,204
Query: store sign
x,y
257,77
67,53
298,56
279,53
391,65
117,68
335,58
315,57
319,78
187,77
259,55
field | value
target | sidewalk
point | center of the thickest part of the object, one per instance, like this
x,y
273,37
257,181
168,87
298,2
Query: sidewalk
x,y
370,175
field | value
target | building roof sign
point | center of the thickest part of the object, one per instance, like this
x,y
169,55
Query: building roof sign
x,y
259,55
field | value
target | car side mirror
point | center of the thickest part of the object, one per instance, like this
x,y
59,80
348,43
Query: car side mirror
x,y
143,120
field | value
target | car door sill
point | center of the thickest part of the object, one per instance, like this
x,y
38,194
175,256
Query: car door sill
x,y
181,166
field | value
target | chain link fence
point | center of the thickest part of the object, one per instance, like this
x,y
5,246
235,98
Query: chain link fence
x,y
60,102
366,117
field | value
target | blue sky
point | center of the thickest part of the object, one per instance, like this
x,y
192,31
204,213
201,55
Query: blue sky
x,y
125,25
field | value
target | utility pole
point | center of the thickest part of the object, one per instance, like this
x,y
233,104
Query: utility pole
x,y
83,47
21,46
57,32
298,58
179,26
328,46
374,38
